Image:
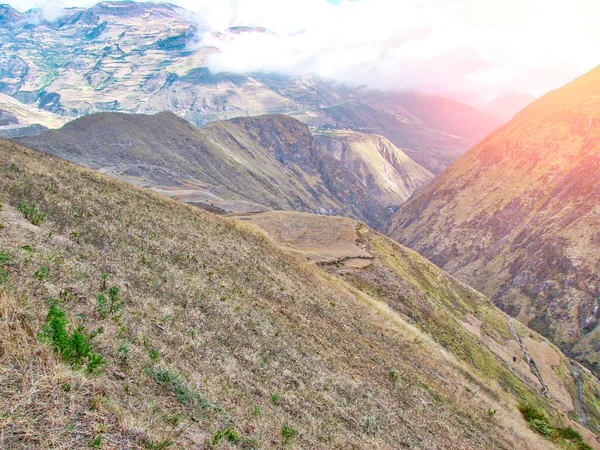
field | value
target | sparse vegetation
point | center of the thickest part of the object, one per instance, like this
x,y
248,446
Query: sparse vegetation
x,y
214,378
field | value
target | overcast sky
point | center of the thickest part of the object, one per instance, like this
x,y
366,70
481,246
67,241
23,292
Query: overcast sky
x,y
465,48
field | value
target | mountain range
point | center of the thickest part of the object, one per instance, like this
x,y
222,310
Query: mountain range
x,y
149,57
517,217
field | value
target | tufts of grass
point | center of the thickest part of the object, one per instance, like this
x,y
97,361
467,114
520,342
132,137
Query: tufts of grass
x,y
228,434
175,383
42,273
31,212
73,347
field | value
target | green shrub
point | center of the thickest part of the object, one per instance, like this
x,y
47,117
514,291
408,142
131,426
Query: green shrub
x,y
542,427
531,413
42,273
73,347
177,385
565,437
275,399
287,433
228,434
31,212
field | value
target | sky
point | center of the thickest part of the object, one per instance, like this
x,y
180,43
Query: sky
x,y
473,50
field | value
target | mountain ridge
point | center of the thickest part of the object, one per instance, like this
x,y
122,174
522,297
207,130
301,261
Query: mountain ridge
x,y
272,160
515,217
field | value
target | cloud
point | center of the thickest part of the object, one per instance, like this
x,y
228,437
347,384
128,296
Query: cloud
x,y
462,48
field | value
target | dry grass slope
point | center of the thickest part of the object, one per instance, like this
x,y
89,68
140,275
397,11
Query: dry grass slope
x,y
220,339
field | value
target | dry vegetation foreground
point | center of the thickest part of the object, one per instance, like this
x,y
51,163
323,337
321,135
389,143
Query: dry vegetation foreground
x,y
128,320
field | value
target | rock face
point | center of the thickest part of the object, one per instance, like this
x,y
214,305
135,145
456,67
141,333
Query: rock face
x,y
518,217
149,57
257,163
388,173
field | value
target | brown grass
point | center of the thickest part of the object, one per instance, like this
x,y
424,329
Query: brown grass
x,y
232,319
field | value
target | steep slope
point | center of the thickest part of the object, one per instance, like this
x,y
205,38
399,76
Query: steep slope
x,y
150,57
390,175
208,334
463,321
517,217
506,106
266,162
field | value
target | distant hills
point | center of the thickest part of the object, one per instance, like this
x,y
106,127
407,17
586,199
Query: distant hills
x,y
517,217
244,164
146,58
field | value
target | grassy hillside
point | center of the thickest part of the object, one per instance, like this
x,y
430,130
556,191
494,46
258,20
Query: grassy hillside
x,y
517,217
258,163
128,320
457,317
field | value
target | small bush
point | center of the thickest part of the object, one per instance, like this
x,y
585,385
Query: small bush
x,y
228,434
73,348
542,427
531,413
42,273
31,212
287,433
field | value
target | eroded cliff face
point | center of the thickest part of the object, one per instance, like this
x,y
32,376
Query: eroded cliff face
x,y
388,173
518,217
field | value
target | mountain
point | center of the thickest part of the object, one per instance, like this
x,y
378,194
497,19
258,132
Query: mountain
x,y
506,106
389,174
517,217
244,164
130,320
150,57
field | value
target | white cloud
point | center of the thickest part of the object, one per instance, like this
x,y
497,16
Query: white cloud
x,y
461,47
